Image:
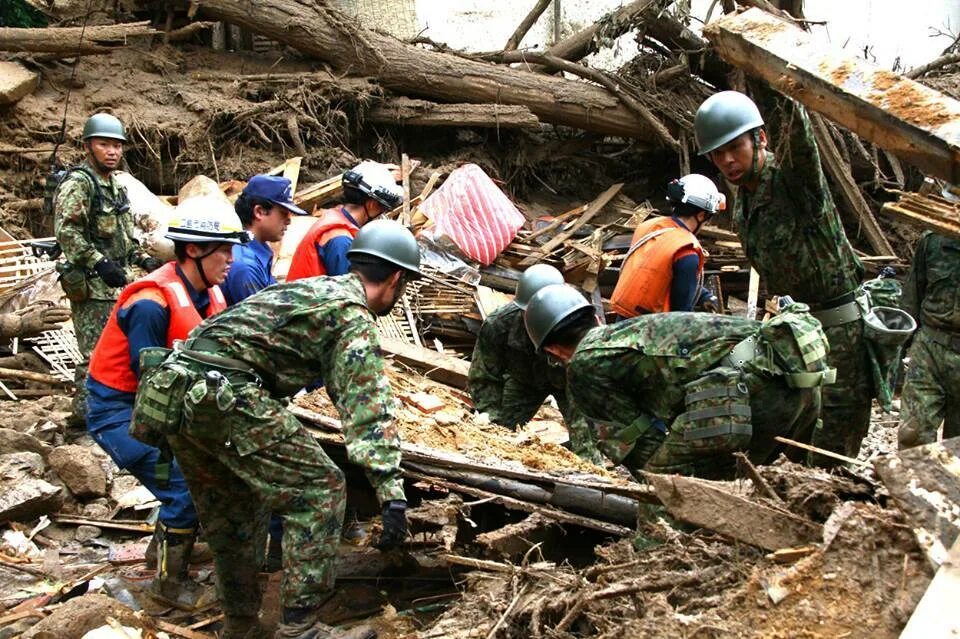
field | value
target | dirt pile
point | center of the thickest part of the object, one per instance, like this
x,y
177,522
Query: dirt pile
x,y
456,428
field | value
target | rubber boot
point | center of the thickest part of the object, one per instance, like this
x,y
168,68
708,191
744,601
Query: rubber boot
x,y
201,553
172,584
247,627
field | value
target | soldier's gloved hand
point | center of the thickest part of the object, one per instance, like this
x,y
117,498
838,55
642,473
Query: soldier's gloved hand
x,y
150,264
394,519
37,318
110,272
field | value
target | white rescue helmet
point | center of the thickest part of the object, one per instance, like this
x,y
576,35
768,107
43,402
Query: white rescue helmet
x,y
375,181
697,190
204,219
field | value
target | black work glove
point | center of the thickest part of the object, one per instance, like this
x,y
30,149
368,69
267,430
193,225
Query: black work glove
x,y
150,264
394,519
110,272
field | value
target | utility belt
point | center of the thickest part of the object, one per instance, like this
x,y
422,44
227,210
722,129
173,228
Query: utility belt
x,y
750,348
844,309
75,281
947,339
189,391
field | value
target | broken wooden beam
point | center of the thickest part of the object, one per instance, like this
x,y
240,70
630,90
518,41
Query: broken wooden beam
x,y
932,617
449,370
916,123
68,42
709,505
842,176
932,212
925,483
513,540
412,112
317,29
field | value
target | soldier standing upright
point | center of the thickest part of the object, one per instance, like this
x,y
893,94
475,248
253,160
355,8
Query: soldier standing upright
x,y
790,229
931,391
94,226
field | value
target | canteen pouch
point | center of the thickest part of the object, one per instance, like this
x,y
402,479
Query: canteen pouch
x,y
158,408
73,281
206,402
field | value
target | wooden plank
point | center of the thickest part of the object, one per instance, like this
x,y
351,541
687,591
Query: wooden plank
x,y
320,193
914,122
595,207
707,504
290,169
437,366
842,177
928,211
932,619
925,483
405,176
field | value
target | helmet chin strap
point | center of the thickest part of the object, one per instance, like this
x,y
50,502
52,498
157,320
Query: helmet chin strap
x,y
756,155
198,261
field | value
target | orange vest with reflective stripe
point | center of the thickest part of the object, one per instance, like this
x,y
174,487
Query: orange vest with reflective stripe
x,y
110,360
306,259
647,272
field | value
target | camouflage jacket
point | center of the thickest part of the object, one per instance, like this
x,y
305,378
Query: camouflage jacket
x,y
508,378
293,333
87,235
635,371
789,226
932,290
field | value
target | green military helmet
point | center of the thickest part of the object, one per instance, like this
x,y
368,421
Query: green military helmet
x,y
548,307
722,117
103,125
533,279
389,240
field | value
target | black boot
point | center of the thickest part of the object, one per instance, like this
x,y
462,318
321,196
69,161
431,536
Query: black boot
x,y
300,624
172,584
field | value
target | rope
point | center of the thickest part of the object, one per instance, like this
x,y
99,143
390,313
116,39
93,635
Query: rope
x,y
66,102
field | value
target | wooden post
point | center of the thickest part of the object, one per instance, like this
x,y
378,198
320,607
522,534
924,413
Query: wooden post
x,y
405,171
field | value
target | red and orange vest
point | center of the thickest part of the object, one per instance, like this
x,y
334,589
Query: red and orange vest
x,y
306,259
110,361
647,272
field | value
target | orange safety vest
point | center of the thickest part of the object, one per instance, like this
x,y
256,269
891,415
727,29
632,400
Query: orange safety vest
x,y
306,259
110,360
647,272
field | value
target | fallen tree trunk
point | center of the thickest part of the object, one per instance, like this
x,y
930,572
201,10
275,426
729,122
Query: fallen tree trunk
x,y
424,113
611,26
66,41
910,120
318,30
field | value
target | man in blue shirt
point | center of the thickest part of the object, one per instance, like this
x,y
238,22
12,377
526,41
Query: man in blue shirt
x,y
264,209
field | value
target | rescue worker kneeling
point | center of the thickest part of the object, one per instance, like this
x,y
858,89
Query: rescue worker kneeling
x,y
153,312
681,392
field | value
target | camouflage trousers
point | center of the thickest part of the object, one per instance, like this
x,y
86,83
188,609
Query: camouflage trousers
x,y
846,403
89,319
931,393
776,410
235,489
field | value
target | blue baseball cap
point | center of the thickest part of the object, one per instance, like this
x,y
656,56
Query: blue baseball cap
x,y
272,188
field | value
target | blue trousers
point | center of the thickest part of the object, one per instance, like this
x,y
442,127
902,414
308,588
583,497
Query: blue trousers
x,y
176,506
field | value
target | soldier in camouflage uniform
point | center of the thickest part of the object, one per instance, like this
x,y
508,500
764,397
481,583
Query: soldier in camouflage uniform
x,y
931,392
790,229
94,227
681,392
509,379
244,455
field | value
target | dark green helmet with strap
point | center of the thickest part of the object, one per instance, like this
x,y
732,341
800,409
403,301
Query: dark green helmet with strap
x,y
722,117
389,240
103,125
548,307
533,279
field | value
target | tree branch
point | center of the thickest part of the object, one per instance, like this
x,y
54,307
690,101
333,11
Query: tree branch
x,y
525,25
